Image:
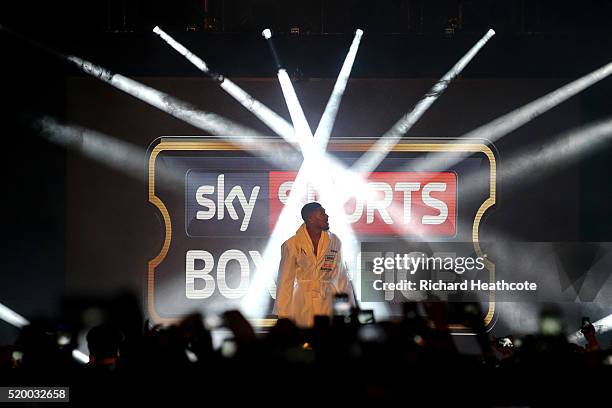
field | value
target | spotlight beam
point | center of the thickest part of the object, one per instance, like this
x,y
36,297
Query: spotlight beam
x,y
301,127
112,152
310,150
109,151
191,57
209,122
275,122
300,124
567,146
505,124
11,317
230,131
328,118
373,157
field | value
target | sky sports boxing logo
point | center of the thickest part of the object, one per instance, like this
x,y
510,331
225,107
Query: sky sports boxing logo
x,y
216,225
249,203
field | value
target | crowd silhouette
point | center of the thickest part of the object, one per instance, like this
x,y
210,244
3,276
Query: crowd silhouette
x,y
340,359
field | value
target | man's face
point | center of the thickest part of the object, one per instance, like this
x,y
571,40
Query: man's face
x,y
320,219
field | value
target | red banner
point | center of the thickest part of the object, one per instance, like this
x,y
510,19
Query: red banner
x,y
399,203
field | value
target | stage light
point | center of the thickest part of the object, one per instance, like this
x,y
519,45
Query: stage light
x,y
194,59
279,125
373,157
505,124
328,118
267,34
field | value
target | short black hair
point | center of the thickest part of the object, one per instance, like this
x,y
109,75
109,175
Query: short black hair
x,y
309,208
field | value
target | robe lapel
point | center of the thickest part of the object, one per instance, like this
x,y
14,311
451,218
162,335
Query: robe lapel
x,y
323,246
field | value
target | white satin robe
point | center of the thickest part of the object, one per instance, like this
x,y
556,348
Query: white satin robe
x,y
306,283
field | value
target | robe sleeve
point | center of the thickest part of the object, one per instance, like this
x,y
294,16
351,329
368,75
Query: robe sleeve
x,y
343,283
285,282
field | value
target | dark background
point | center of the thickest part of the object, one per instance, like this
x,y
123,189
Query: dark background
x,y
73,226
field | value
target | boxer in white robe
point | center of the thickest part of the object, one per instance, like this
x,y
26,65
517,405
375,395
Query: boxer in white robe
x,y
311,270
